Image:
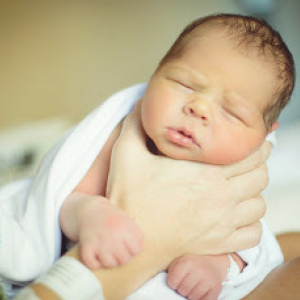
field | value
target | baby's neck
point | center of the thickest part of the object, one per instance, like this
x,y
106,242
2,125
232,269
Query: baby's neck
x,y
152,147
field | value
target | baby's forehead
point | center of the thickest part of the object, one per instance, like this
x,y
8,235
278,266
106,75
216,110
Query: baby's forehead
x,y
242,41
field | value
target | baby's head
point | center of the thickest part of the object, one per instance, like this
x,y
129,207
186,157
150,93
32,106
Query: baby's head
x,y
219,90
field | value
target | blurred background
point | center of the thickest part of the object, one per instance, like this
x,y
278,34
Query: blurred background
x,y
61,59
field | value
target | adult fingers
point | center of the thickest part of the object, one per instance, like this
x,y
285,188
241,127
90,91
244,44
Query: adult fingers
x,y
243,238
249,184
250,163
249,212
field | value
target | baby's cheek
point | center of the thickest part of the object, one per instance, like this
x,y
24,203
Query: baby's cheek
x,y
233,150
226,155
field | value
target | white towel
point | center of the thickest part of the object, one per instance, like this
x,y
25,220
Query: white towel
x,y
29,228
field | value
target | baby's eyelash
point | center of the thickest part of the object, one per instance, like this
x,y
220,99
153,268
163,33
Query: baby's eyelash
x,y
184,85
231,113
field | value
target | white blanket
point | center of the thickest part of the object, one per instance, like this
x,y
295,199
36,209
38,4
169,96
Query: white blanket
x,y
30,235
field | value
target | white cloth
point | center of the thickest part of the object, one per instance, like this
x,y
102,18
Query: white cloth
x,y
29,228
67,278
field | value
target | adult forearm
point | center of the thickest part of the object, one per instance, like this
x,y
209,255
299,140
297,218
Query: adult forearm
x,y
289,244
43,292
128,278
281,283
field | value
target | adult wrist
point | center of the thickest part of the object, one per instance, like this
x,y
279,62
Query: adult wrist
x,y
141,268
67,279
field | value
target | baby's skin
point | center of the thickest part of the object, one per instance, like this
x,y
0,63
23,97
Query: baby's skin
x,y
193,109
200,277
109,238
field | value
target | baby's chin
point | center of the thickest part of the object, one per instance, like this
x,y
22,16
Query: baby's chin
x,y
210,159
223,160
156,151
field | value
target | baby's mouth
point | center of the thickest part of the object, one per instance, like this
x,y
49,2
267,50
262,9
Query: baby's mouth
x,y
182,137
185,134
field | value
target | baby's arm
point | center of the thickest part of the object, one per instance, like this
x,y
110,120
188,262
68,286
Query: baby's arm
x,y
200,277
107,236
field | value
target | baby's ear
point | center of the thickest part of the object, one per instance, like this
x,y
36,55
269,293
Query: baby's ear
x,y
274,126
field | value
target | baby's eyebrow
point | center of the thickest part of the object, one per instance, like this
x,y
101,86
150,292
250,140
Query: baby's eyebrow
x,y
236,99
189,72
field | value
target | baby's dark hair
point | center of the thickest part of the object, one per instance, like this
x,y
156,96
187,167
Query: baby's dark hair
x,y
253,36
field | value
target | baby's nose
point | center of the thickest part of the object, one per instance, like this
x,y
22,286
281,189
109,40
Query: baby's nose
x,y
199,108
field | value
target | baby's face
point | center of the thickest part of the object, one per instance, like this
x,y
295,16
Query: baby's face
x,y
208,104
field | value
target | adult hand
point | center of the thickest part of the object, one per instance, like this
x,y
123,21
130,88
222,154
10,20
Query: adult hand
x,y
180,206
184,206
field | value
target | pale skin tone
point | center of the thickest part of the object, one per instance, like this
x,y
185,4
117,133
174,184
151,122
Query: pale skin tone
x,y
280,284
194,109
231,188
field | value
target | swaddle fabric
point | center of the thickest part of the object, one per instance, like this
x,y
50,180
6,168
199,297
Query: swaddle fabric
x,y
30,235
